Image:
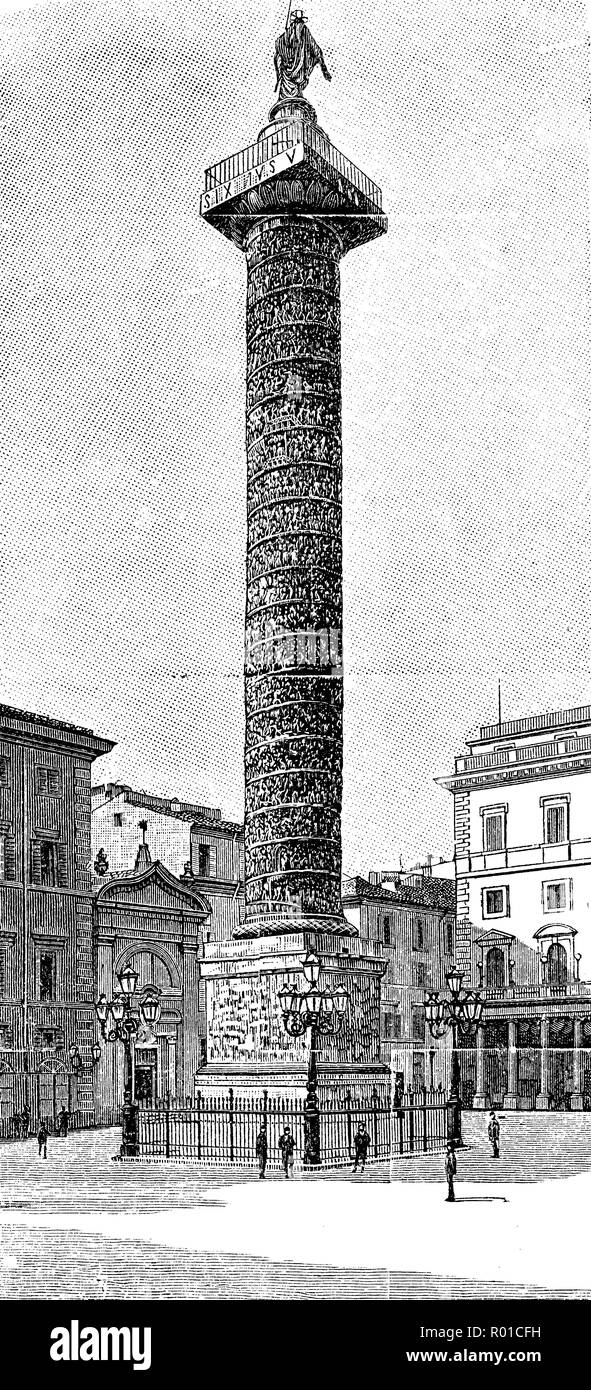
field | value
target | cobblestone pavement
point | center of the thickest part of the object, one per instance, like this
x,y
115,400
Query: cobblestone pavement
x,y
79,1225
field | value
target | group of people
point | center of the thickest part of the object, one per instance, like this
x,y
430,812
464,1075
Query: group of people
x,y
298,552
301,238
295,788
296,821
316,378
296,341
282,650
21,1124
281,272
318,755
451,1165
287,1148
295,444
312,892
281,411
300,856
321,721
318,516
284,690
281,307
293,482
289,584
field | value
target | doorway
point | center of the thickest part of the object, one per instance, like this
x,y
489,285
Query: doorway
x,y
145,1075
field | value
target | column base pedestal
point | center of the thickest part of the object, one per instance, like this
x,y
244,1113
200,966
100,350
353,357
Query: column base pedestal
x,y
576,1100
511,1101
543,1101
480,1101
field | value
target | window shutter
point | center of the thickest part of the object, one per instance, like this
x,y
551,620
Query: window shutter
x,y
9,857
213,861
2,973
507,902
62,865
35,861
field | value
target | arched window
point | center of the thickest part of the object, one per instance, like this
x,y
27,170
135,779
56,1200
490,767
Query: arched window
x,y
495,968
151,970
557,965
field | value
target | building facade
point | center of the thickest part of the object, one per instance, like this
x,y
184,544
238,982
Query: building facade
x,y
410,920
47,1022
150,920
193,842
522,818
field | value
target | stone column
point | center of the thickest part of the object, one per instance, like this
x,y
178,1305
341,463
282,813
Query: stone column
x,y
480,1101
576,1101
510,1099
293,681
543,1099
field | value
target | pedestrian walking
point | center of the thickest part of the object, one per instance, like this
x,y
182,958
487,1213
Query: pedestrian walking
x,y
286,1148
362,1142
451,1169
494,1134
63,1120
42,1138
261,1150
25,1121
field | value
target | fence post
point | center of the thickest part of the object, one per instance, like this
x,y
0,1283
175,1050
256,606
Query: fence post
x,y
374,1106
168,1124
231,1114
424,1119
199,1124
411,1121
400,1114
349,1124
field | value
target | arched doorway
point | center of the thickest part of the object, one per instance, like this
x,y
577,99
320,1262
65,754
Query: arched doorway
x,y
556,964
495,968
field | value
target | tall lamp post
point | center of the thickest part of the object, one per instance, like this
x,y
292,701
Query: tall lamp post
x,y
119,1024
461,1013
322,1011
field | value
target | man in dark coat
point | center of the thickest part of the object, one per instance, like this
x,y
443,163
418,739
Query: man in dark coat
x,y
63,1120
42,1138
451,1169
261,1150
494,1134
25,1121
286,1148
362,1142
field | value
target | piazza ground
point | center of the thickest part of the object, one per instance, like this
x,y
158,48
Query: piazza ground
x,y
79,1225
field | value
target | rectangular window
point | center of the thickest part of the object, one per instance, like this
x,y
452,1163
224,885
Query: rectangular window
x,y
46,977
3,771
48,781
419,972
555,827
387,932
449,938
387,1026
204,861
418,1023
495,902
555,897
418,934
494,831
118,818
48,863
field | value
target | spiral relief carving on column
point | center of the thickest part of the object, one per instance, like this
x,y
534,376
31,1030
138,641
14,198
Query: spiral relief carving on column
x,y
293,759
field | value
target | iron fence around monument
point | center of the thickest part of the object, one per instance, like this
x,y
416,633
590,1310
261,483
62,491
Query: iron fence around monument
x,y
222,1130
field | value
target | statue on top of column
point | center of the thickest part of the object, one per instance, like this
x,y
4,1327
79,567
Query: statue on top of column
x,y
296,55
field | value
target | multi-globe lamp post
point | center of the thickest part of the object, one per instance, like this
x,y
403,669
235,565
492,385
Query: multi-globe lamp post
x,y
462,1013
322,1011
119,1024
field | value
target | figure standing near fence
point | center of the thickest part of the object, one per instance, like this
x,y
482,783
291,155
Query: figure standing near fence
x,y
261,1150
286,1148
63,1122
362,1142
25,1121
42,1139
451,1169
494,1134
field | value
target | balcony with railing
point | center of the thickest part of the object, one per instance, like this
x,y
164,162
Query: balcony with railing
x,y
531,753
569,989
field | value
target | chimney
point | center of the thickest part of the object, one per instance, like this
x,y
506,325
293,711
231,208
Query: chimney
x,y
374,878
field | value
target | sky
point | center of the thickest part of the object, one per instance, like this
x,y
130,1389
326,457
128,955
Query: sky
x,y
465,385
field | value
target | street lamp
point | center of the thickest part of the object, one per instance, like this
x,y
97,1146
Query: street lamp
x,y
322,1011
462,1013
119,1024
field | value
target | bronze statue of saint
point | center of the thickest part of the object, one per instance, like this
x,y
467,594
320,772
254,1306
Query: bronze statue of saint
x,y
296,55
